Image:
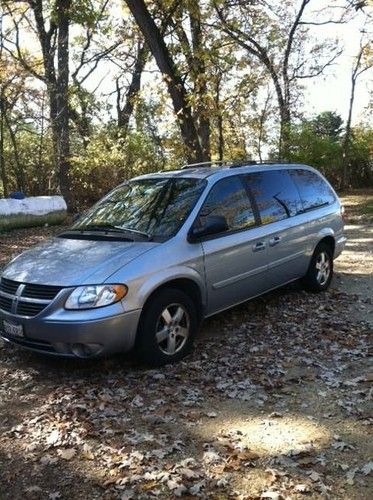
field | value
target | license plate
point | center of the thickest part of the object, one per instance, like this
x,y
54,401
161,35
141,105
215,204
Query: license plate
x,y
12,329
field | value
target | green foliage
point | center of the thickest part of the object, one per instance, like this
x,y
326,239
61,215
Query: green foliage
x,y
110,160
322,148
320,151
361,156
328,124
226,86
35,159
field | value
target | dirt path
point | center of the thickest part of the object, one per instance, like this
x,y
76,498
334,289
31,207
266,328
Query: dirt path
x,y
274,403
354,269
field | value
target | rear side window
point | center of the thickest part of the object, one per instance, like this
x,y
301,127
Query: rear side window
x,y
229,198
275,194
314,191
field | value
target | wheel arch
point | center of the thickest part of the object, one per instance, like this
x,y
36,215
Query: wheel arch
x,y
185,284
328,240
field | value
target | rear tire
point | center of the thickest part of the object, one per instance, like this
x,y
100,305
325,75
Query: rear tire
x,y
320,270
167,328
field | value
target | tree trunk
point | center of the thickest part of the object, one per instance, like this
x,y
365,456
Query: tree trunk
x,y
81,120
284,141
18,167
125,113
3,172
200,81
175,84
219,120
347,139
62,118
57,85
41,136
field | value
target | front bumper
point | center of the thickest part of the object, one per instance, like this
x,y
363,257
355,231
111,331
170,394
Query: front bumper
x,y
85,334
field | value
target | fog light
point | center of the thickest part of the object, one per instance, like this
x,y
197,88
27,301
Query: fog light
x,y
85,350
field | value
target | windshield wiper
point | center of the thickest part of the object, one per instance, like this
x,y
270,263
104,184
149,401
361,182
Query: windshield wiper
x,y
136,231
112,228
98,227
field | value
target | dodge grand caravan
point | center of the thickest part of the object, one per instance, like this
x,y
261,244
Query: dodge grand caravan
x,y
159,253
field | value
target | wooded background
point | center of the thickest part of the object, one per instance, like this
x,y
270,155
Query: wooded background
x,y
93,92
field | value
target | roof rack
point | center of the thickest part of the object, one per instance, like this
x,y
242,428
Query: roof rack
x,y
245,163
233,164
204,164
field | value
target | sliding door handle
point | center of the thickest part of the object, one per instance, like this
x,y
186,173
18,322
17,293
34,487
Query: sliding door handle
x,y
259,246
274,241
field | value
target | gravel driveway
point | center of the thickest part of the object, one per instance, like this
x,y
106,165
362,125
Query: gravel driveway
x,y
273,403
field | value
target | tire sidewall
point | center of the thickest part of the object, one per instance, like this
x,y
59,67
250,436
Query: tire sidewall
x,y
146,345
311,281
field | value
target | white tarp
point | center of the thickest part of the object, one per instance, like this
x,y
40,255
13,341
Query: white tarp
x,y
33,211
35,205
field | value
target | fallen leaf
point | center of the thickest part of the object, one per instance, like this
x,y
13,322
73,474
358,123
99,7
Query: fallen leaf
x,y
67,454
367,468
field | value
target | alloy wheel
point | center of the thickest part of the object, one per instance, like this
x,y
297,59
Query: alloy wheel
x,y
173,329
322,268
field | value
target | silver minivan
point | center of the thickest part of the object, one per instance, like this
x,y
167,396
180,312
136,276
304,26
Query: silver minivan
x,y
145,265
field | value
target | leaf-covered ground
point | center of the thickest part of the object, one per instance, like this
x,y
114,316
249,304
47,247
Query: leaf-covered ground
x,y
274,403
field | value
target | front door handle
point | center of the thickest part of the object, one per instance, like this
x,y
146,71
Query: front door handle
x,y
259,246
274,241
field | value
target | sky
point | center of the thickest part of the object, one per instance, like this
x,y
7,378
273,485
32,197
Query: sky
x,y
329,92
332,91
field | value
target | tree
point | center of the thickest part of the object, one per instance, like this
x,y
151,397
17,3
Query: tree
x,y
50,22
328,124
97,40
176,88
124,112
363,62
276,37
318,150
3,173
196,55
53,37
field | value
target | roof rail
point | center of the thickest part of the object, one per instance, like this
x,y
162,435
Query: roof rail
x,y
233,163
204,164
245,163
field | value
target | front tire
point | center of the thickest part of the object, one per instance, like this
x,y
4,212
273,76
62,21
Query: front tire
x,y
167,328
320,271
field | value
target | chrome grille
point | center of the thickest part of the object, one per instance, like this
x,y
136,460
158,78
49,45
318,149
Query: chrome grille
x,y
25,299
30,309
9,286
5,304
45,292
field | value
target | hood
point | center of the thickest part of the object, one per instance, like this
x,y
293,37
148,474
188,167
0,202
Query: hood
x,y
70,262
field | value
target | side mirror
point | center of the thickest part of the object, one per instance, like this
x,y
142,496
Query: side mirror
x,y
213,224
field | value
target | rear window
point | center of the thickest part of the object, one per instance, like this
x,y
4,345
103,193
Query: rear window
x,y
314,191
275,194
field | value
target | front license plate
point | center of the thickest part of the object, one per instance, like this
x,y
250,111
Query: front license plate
x,y
12,329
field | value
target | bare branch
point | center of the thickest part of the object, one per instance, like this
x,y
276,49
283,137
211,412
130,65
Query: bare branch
x,y
322,23
320,70
290,40
19,57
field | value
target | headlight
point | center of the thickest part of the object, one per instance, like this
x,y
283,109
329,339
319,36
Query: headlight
x,y
91,296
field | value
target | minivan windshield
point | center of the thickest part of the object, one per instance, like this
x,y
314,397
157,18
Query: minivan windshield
x,y
151,208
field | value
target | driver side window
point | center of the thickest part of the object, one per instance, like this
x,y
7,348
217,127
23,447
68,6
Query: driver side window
x,y
228,198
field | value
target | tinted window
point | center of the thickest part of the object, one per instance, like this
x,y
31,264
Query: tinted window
x,y
314,191
275,194
229,198
157,206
